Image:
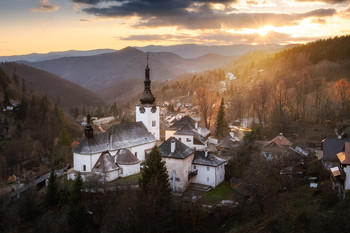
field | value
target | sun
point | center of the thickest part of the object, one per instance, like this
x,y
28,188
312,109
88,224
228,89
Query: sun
x,y
263,31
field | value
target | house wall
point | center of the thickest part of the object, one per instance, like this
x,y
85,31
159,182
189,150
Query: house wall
x,y
181,168
209,175
112,175
185,139
169,133
129,170
347,178
88,160
147,117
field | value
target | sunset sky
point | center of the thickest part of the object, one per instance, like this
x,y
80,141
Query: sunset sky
x,y
42,26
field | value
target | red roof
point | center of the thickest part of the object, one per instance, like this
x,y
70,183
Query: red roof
x,y
280,141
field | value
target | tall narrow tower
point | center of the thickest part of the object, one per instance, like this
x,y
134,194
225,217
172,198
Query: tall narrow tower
x,y
147,111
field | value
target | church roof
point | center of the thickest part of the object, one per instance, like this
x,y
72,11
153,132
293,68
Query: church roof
x,y
181,150
116,137
125,157
209,160
147,96
105,163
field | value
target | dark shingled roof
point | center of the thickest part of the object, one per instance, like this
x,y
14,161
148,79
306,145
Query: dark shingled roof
x,y
210,160
331,147
186,120
226,143
125,157
181,150
105,163
116,137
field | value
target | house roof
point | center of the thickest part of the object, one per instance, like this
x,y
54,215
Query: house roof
x,y
181,150
344,156
105,163
209,160
226,143
125,157
186,120
280,141
119,136
331,147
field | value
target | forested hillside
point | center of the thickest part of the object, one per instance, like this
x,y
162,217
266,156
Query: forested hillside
x,y
35,134
65,93
306,83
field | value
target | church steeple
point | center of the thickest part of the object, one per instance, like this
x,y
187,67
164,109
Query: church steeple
x,y
147,96
89,131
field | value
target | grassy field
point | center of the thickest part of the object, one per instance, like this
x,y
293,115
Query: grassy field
x,y
222,192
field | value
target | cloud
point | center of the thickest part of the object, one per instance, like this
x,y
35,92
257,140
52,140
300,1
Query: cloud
x,y
193,14
220,37
45,6
325,1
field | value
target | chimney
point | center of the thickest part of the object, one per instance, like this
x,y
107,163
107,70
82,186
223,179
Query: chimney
x,y
280,136
206,153
173,145
196,125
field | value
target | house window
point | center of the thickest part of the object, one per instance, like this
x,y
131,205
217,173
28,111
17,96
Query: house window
x,y
194,167
208,169
84,167
153,123
188,140
136,154
121,170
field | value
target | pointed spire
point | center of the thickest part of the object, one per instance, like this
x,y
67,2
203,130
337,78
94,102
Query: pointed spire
x,y
147,96
89,131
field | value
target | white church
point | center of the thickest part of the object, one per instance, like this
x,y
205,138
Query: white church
x,y
119,151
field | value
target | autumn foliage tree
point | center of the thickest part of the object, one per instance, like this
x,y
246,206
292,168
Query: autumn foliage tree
x,y
206,104
342,87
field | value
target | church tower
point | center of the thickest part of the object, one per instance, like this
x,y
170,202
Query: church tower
x,y
147,111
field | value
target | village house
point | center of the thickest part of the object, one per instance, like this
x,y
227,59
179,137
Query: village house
x,y
340,174
330,148
275,148
185,165
187,131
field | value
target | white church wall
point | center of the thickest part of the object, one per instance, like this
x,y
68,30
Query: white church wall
x,y
140,150
150,120
88,160
129,170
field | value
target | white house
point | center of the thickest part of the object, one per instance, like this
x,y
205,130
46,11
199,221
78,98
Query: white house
x,y
211,169
185,165
188,132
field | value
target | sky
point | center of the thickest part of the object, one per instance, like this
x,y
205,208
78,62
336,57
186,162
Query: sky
x,y
42,26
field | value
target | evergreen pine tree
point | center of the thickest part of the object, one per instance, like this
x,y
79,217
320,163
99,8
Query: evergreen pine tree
x,y
221,125
154,177
52,191
76,215
63,148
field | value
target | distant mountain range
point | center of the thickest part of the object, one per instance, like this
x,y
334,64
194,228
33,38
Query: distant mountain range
x,y
104,70
183,50
59,90
34,57
194,50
